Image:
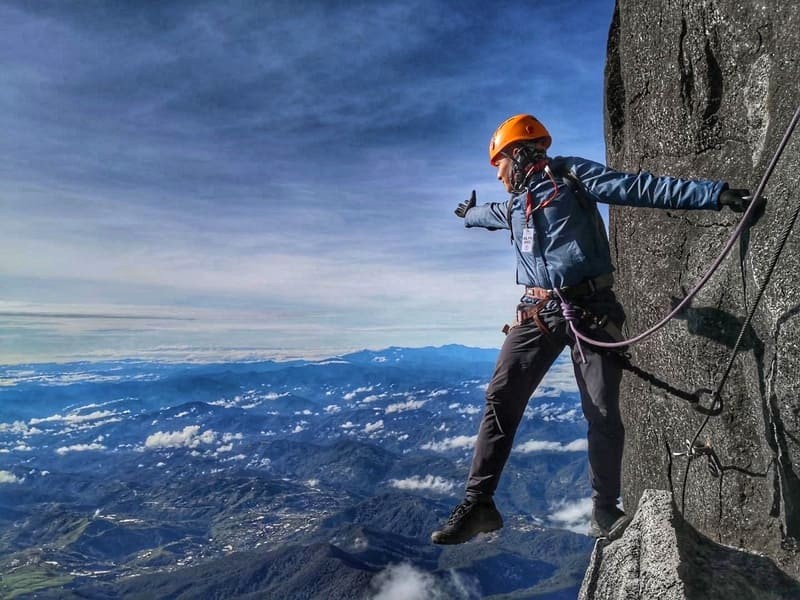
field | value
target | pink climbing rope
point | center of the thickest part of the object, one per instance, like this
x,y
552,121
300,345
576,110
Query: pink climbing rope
x,y
570,312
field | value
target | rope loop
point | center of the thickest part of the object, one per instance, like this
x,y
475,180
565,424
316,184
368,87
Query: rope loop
x,y
737,232
572,315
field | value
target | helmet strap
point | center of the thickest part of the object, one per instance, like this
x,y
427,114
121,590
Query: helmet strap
x,y
526,161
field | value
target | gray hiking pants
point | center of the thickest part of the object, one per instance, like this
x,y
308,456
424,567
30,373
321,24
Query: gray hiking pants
x,y
524,359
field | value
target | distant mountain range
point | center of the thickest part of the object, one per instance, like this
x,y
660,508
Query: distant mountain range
x,y
300,479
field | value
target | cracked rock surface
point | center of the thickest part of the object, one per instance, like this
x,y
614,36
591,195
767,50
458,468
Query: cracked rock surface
x,y
706,90
661,557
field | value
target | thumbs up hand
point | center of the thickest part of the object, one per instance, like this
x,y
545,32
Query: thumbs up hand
x,y
463,208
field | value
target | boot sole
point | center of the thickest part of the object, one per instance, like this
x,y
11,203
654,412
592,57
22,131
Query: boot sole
x,y
452,540
614,532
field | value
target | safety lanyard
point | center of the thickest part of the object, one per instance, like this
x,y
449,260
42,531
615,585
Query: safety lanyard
x,y
530,208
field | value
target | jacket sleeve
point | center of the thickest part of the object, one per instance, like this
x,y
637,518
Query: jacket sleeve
x,y
493,215
646,190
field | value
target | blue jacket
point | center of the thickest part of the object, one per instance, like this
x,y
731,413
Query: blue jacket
x,y
569,238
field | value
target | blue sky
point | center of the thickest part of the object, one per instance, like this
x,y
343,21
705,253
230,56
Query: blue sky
x,y
210,180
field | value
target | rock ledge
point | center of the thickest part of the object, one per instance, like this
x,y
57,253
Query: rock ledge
x,y
661,557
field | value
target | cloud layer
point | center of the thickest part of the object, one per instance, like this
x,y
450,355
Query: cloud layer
x,y
212,175
433,483
579,445
574,516
458,442
189,437
405,582
8,477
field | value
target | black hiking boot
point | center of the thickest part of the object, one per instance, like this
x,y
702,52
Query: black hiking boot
x,y
608,521
467,520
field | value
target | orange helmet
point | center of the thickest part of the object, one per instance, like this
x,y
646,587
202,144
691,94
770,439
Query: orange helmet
x,y
519,128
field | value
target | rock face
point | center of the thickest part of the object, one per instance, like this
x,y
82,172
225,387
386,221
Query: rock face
x,y
705,89
661,557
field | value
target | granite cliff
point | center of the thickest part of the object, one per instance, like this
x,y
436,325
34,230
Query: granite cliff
x,y
705,90
662,557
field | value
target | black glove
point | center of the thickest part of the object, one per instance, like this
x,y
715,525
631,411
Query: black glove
x,y
463,208
735,199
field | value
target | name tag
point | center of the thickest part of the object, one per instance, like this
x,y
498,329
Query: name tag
x,y
527,240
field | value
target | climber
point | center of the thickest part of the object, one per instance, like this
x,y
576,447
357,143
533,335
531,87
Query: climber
x,y
562,254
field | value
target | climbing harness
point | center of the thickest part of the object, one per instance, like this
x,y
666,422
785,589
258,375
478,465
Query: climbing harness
x,y
527,313
536,299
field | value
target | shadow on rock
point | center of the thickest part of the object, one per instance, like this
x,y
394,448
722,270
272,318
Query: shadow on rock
x,y
662,556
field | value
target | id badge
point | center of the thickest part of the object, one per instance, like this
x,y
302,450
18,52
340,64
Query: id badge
x,y
527,240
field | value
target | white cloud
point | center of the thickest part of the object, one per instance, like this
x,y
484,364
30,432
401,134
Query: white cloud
x,y
579,445
227,437
463,587
188,437
20,428
404,582
574,516
74,418
332,409
554,411
59,379
403,406
355,392
359,544
561,375
222,403
372,398
453,443
226,448
546,392
348,425
298,428
8,477
370,427
437,393
79,448
429,482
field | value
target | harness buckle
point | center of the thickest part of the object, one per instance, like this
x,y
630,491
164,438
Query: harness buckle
x,y
539,293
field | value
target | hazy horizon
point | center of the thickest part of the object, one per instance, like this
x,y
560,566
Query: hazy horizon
x,y
205,179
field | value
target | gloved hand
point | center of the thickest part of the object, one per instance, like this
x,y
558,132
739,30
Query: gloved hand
x,y
736,199
463,208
